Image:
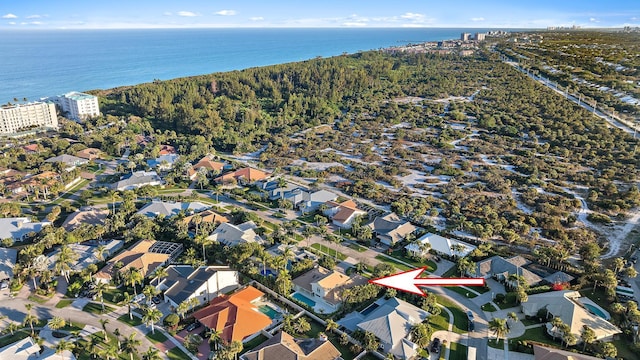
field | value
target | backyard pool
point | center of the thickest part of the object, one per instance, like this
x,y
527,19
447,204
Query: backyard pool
x,y
267,272
596,310
369,309
269,311
304,299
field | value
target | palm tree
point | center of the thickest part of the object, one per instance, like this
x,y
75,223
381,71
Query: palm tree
x,y
182,309
99,252
217,189
13,327
64,345
30,319
110,351
132,277
149,292
65,258
127,299
151,354
160,273
104,323
131,344
56,323
421,334
499,328
567,337
150,317
588,336
215,338
100,289
556,323
114,195
331,325
512,317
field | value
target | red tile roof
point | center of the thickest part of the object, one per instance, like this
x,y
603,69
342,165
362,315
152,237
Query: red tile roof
x,y
235,316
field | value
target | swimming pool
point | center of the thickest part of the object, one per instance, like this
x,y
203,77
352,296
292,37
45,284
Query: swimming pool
x,y
369,309
267,272
304,299
595,310
269,311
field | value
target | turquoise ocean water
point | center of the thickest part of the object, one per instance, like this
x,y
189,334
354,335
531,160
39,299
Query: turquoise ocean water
x,y
35,64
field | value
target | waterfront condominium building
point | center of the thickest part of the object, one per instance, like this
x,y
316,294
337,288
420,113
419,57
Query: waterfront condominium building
x,y
78,106
22,117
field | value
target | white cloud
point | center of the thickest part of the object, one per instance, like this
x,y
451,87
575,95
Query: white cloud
x,y
256,18
37,23
34,16
412,16
10,16
12,22
187,13
593,20
477,19
167,13
226,12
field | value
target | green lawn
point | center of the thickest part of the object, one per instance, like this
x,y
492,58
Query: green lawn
x,y
358,248
392,262
253,343
73,326
97,308
344,349
624,352
125,319
64,303
493,344
17,336
400,255
539,335
462,291
460,321
457,351
329,251
440,322
158,337
177,354
38,299
488,307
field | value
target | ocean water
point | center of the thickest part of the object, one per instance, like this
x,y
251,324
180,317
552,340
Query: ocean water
x,y
35,64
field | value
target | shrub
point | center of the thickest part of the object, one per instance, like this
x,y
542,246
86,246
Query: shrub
x,y
172,320
500,298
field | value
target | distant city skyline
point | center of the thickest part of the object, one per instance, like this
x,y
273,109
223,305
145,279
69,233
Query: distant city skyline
x,y
119,14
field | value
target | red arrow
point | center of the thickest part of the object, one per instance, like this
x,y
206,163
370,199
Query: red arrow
x,y
410,280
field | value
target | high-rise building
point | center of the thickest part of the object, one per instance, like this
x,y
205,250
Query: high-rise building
x,y
22,117
465,36
480,36
78,106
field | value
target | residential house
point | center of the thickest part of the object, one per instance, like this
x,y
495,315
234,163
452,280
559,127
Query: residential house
x,y
145,255
207,216
390,321
311,201
163,162
17,228
236,316
11,180
138,179
440,245
203,283
342,214
87,253
283,346
233,235
390,229
25,349
206,164
166,150
325,287
88,215
275,192
70,161
170,209
534,274
40,184
574,311
244,176
90,154
8,258
545,353
32,148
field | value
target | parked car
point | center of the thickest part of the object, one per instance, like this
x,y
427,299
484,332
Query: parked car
x,y
470,315
192,327
435,346
634,259
156,300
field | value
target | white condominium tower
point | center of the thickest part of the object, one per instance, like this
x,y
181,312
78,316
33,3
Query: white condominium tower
x,y
22,117
78,106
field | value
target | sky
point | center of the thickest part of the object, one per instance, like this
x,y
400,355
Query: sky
x,y
114,14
